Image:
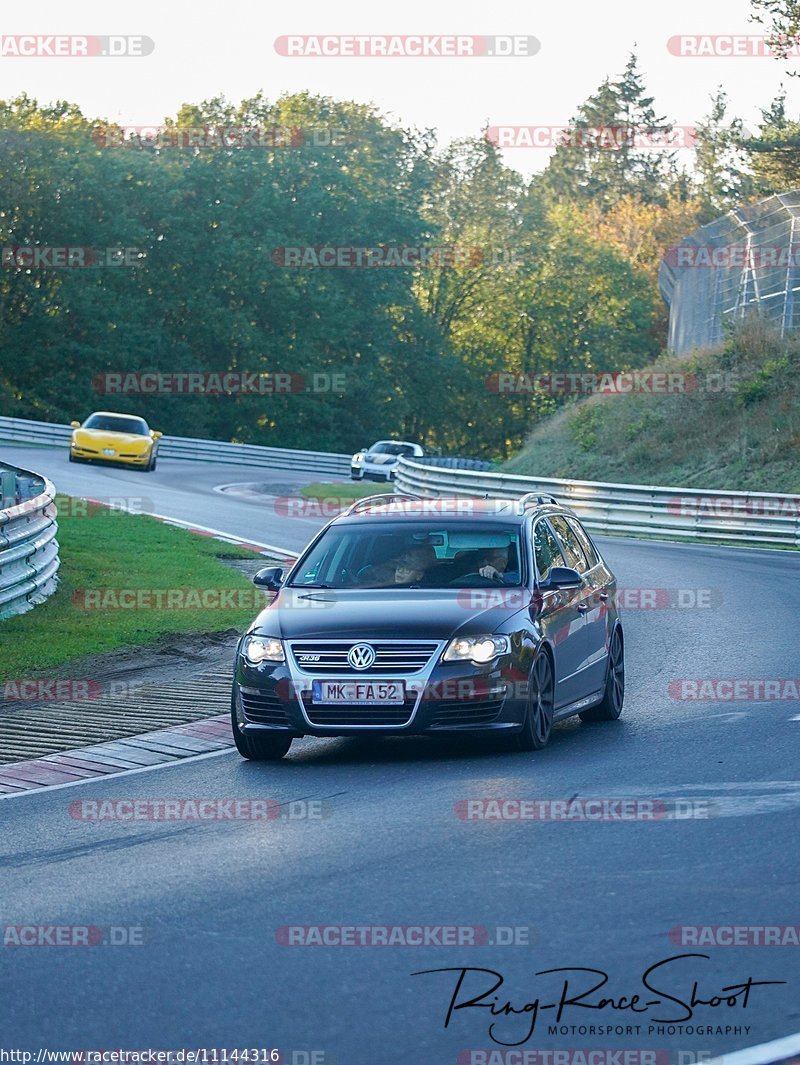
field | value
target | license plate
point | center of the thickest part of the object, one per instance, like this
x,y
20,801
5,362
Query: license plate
x,y
109,451
361,692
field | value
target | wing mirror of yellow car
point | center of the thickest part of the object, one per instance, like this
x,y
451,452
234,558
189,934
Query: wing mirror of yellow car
x,y
75,425
156,435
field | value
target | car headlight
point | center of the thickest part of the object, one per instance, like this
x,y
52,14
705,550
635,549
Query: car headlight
x,y
258,649
358,457
478,649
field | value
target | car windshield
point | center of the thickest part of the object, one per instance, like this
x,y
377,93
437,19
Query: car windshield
x,y
386,447
113,423
402,554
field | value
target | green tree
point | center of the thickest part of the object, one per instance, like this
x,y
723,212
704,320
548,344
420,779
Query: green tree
x,y
607,153
782,21
724,177
775,150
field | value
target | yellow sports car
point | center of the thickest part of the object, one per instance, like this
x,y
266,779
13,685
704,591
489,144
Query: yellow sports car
x,y
117,438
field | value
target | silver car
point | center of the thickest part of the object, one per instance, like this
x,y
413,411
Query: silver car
x,y
378,462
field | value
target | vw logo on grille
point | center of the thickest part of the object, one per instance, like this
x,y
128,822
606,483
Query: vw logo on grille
x,y
361,656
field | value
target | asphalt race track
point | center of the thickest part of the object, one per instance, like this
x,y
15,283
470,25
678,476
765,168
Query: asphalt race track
x,y
372,835
179,489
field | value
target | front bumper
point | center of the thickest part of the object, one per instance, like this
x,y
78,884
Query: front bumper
x,y
372,471
85,454
452,697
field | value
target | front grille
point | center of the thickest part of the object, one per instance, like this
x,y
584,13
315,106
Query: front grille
x,y
449,715
349,716
391,657
263,708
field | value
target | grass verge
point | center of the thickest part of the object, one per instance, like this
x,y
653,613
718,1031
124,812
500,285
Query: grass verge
x,y
738,430
116,572
344,489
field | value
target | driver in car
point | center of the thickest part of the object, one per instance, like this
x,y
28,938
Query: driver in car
x,y
493,564
406,568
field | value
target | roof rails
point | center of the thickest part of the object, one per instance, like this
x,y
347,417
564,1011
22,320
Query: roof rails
x,y
534,499
383,497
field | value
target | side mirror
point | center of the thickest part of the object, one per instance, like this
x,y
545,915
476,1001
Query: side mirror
x,y
75,425
562,577
270,578
156,435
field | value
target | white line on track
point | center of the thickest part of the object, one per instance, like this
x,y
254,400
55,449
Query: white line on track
x,y
778,1050
735,715
218,533
226,535
280,551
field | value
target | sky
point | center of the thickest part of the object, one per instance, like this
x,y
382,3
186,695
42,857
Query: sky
x,y
204,50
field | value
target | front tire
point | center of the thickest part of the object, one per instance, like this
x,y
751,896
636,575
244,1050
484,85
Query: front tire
x,y
538,724
264,747
610,708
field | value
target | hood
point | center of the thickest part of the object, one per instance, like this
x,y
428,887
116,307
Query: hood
x,y
370,614
103,438
379,458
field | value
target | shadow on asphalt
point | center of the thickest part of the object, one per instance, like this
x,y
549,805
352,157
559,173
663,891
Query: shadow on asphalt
x,y
569,739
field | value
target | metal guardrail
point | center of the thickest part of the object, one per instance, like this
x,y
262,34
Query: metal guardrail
x,y
743,518
694,514
184,447
28,548
456,462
